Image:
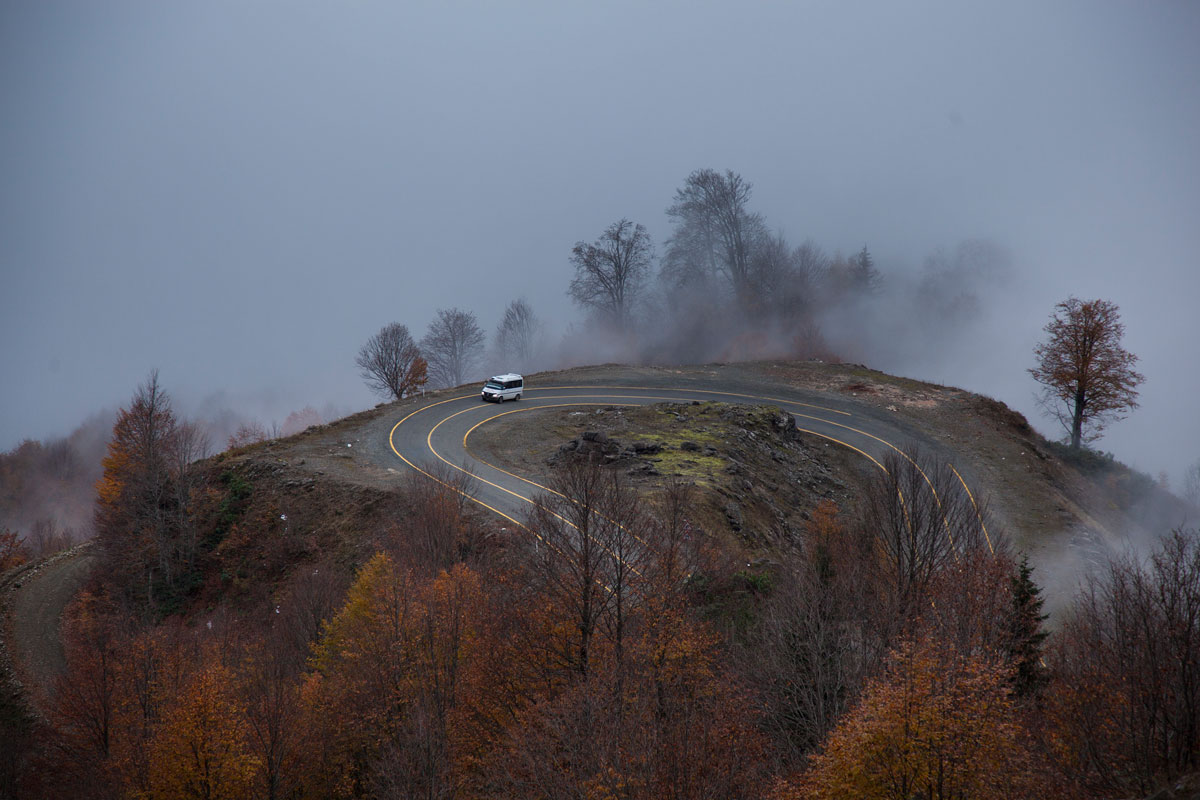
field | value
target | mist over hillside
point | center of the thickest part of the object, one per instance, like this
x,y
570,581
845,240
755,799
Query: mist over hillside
x,y
240,197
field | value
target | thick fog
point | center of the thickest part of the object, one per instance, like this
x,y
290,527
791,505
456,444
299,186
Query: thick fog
x,y
239,194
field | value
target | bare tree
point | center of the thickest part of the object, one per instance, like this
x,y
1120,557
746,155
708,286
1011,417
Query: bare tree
x,y
435,528
771,275
714,231
390,362
610,273
518,333
190,445
246,434
1126,690
452,346
1089,377
813,647
919,521
590,550
1191,484
811,262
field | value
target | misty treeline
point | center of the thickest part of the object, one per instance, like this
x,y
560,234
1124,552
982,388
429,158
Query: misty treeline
x,y
728,285
610,644
725,285
48,489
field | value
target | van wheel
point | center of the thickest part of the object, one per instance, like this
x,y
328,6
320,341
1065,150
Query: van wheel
x,y
518,397
499,398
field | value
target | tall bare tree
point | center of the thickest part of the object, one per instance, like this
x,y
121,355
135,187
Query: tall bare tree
x,y
1088,377
591,550
714,231
918,521
610,272
391,363
452,345
518,332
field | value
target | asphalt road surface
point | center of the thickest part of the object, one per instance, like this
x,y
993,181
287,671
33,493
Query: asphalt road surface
x,y
435,439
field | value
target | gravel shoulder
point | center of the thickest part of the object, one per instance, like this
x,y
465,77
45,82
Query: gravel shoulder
x,y
33,599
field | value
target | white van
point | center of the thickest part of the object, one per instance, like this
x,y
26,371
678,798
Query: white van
x,y
503,387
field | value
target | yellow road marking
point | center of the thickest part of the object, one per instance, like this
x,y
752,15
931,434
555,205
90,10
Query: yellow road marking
x,y
392,444
532,408
429,438
702,391
975,505
429,444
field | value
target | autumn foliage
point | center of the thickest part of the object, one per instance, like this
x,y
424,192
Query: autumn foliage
x,y
144,520
13,552
608,646
1088,376
936,724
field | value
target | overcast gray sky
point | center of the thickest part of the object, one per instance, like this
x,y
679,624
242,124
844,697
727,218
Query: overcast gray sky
x,y
240,193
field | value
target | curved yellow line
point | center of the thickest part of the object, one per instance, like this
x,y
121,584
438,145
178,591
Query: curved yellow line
x,y
429,444
975,505
907,458
429,437
533,408
702,391
862,453
436,479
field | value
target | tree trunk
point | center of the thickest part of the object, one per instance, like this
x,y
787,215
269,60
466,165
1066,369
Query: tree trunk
x,y
1077,421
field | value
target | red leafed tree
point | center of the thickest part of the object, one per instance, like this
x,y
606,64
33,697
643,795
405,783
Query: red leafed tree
x,y
144,497
1089,377
298,421
247,433
142,515
133,495
599,680
12,550
85,711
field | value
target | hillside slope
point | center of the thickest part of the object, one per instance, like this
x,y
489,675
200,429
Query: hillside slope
x,y
327,495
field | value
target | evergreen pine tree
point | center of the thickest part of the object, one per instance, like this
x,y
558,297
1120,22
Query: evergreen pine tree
x,y
1025,633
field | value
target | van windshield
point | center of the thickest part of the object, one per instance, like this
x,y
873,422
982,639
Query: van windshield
x,y
492,385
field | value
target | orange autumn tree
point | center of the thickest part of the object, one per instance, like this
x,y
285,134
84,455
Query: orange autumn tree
x,y
1088,376
937,724
201,750
125,711
385,679
13,552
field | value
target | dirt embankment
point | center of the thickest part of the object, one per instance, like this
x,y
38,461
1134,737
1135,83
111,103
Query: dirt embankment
x,y
264,511
1068,513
